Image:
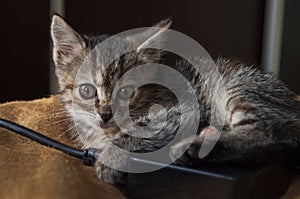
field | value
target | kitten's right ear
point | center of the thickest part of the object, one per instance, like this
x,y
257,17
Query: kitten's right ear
x,y
152,37
67,43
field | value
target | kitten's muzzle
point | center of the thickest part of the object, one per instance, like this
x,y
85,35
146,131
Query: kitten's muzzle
x,y
106,116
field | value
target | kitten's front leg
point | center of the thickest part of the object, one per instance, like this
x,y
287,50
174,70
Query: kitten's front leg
x,y
108,164
233,147
244,133
108,174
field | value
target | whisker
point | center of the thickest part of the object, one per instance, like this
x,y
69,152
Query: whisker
x,y
59,121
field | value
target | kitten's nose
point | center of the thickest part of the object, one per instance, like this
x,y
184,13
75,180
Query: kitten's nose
x,y
106,114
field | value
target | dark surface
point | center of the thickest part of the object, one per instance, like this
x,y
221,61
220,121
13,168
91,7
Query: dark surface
x,y
265,182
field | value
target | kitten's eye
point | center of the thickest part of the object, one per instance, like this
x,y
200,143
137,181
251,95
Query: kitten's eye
x,y
125,93
87,91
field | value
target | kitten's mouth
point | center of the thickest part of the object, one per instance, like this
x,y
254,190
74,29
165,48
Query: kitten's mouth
x,y
111,124
109,128
107,125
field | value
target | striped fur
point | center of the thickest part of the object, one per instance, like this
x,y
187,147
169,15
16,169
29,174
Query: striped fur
x,y
262,116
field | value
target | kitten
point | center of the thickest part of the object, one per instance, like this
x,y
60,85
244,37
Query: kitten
x,y
262,116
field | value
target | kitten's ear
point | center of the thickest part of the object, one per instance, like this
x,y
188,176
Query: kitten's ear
x,y
67,43
152,37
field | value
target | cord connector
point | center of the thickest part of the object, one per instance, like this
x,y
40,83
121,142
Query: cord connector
x,y
90,156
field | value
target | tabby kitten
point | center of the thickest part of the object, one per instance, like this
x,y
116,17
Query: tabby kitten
x,y
262,116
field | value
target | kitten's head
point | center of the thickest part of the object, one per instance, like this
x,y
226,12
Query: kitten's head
x,y
87,85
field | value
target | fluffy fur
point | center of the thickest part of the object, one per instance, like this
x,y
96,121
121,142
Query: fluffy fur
x,y
262,116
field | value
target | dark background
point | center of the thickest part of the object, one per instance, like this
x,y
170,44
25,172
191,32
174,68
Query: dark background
x,y
290,60
231,28
24,50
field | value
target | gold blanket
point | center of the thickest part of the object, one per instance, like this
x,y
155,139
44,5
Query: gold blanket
x,y
30,170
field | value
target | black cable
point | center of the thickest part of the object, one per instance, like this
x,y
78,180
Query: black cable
x,y
88,155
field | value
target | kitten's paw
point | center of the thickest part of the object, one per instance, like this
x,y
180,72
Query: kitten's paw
x,y
109,175
179,154
190,153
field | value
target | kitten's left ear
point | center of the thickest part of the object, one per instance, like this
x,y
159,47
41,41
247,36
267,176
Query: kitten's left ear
x,y
151,37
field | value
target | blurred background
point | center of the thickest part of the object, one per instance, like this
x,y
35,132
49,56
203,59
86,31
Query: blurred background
x,y
264,32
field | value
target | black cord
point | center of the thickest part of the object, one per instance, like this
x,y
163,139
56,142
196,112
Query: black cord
x,y
88,156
